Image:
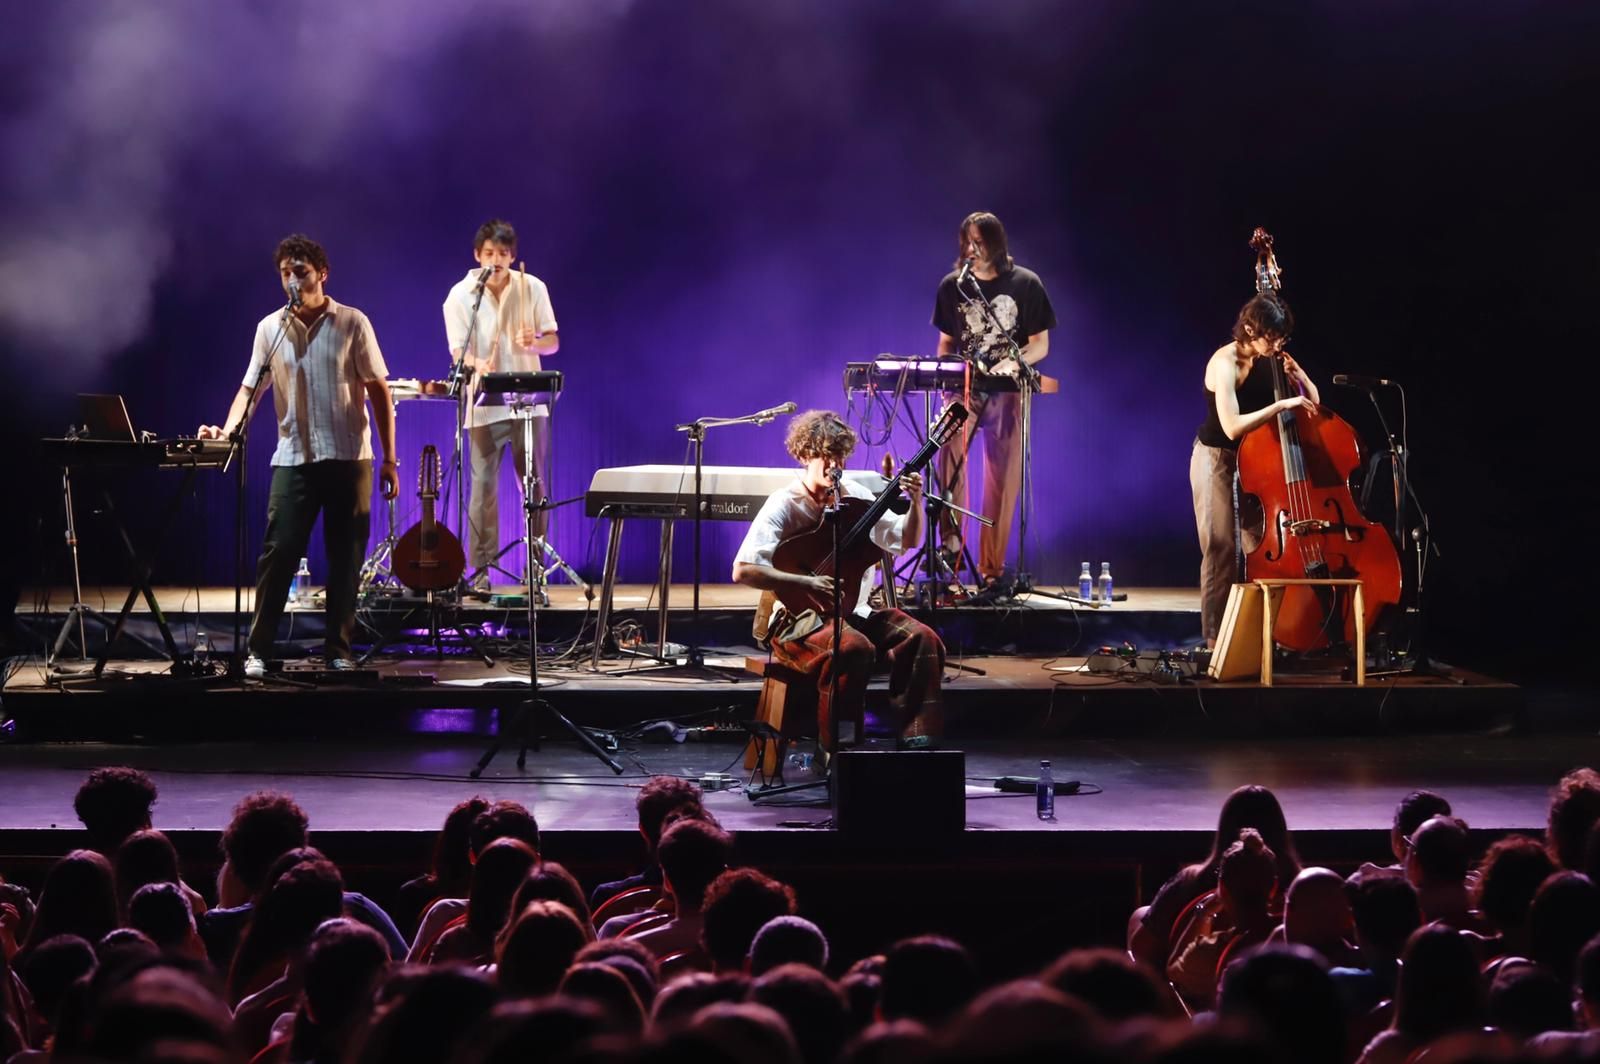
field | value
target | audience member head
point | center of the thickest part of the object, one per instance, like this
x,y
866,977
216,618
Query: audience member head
x,y
161,1012
892,1042
692,853
630,957
452,848
1023,1021
113,803
1409,815
1441,853
814,1008
424,1015
659,796
680,999
52,967
1255,807
554,1029
928,979
1574,808
1215,1043
788,940
737,904
265,825
145,856
749,1031
503,820
79,898
549,881
1248,878
1109,981
502,866
344,963
864,992
283,919
1565,914
1316,913
610,990
1438,990
125,943
1508,877
1285,993
1528,999
162,911
537,947
1385,911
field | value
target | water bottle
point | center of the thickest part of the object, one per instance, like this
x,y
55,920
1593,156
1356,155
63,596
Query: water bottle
x,y
300,590
1105,583
202,648
1046,790
1085,583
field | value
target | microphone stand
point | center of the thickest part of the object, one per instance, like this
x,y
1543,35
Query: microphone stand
x,y
239,452
460,377
1399,461
694,657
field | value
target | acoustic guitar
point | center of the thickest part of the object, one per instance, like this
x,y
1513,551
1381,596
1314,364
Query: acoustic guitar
x,y
811,553
429,556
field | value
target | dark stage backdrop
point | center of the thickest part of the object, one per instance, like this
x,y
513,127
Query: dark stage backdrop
x,y
729,200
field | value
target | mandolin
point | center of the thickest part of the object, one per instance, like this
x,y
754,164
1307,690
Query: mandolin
x,y
811,553
429,556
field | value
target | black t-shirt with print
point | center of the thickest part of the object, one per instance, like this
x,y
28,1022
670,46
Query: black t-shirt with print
x,y
1020,304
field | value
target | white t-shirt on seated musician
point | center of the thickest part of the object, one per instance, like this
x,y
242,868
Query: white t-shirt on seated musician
x,y
494,342
791,511
319,378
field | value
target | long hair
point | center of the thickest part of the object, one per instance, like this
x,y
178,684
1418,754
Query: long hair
x,y
1252,806
994,238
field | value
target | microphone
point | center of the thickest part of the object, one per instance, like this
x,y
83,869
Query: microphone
x,y
966,270
1351,380
294,292
484,275
767,415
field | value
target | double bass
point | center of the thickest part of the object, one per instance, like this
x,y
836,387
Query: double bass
x,y
1299,466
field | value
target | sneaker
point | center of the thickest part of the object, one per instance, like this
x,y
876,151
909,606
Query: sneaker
x,y
916,742
342,665
254,668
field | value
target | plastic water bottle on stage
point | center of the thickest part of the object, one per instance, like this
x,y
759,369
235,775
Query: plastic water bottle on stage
x,y
1085,583
300,590
1046,789
202,648
1105,583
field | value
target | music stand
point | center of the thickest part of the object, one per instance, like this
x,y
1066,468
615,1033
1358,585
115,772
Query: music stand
x,y
523,392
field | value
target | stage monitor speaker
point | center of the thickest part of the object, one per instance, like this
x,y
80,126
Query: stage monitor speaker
x,y
895,795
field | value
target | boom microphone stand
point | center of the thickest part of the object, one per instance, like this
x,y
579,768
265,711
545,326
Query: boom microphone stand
x,y
460,378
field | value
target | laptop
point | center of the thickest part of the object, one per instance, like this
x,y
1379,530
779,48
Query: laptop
x,y
105,417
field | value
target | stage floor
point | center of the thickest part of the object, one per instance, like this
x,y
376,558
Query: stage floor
x,y
1496,782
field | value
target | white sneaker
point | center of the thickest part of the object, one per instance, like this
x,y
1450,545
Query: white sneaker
x,y
342,665
254,668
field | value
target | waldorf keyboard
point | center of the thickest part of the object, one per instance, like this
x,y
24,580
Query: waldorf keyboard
x,y
729,493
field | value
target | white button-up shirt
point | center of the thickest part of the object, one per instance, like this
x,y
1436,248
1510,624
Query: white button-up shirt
x,y
319,375
526,300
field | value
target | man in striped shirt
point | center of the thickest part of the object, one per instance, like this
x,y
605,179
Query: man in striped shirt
x,y
321,360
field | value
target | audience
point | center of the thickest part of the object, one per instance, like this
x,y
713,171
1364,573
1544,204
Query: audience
x,y
1421,961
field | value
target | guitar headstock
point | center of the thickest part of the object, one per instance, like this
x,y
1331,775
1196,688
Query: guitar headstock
x,y
1269,277
949,423
428,473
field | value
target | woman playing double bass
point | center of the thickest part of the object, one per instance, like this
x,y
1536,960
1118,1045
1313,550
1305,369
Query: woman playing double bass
x,y
1239,397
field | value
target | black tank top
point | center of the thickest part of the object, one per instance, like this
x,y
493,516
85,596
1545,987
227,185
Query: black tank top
x,y
1253,394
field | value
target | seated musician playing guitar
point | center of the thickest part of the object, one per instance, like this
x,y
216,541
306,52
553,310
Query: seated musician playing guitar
x,y
803,640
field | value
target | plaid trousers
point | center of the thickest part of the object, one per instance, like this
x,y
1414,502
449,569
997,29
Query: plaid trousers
x,y
916,661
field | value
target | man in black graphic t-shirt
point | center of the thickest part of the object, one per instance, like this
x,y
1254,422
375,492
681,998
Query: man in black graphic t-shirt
x,y
1024,318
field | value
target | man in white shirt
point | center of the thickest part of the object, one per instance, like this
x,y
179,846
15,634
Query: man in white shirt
x,y
515,325
322,361
821,442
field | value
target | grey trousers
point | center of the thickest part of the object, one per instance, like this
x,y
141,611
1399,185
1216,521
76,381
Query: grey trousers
x,y
1213,475
487,444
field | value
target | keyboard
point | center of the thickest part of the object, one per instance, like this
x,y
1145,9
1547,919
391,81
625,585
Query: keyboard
x,y
930,375
181,452
730,493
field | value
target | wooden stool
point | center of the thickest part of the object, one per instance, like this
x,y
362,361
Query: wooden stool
x,y
1235,654
788,704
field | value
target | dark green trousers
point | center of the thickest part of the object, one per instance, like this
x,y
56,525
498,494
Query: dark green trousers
x,y
342,492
